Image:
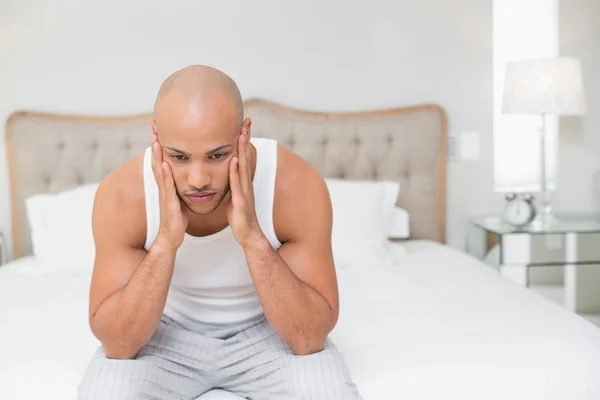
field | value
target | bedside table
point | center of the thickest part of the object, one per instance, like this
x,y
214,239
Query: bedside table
x,y
570,243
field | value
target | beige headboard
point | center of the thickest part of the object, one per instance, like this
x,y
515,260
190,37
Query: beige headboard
x,y
48,153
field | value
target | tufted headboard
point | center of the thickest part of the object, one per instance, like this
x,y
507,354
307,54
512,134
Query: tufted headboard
x,y
48,153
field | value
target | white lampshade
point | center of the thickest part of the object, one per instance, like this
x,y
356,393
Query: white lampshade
x,y
544,86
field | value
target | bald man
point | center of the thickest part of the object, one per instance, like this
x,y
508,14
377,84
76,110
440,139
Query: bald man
x,y
214,265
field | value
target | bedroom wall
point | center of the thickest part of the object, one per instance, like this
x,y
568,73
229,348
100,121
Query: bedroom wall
x,y
580,137
109,58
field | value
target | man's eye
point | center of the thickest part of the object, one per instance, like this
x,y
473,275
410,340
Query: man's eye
x,y
218,156
178,157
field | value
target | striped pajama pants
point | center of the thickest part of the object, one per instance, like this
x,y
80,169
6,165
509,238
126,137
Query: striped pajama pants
x,y
252,362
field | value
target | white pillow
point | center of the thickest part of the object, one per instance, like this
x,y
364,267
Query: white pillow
x,y
362,220
400,226
61,227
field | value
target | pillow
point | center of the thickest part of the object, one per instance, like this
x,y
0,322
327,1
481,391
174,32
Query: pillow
x,y
400,224
362,220
61,227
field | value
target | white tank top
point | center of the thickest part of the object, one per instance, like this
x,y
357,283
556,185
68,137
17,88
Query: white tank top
x,y
211,283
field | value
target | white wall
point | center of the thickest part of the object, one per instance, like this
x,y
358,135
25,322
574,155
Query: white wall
x,y
580,137
110,57
523,29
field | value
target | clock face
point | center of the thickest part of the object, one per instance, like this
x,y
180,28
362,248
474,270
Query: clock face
x,y
519,212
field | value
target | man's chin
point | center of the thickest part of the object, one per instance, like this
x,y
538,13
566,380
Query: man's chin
x,y
203,208
200,210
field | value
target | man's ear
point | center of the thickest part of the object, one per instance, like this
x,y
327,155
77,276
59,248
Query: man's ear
x,y
247,124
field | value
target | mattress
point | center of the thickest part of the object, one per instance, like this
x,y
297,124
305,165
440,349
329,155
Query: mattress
x,y
438,324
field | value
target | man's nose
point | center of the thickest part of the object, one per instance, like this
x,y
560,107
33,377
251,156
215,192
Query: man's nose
x,y
199,177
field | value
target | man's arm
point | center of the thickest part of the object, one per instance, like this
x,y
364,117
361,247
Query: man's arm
x,y
297,285
129,285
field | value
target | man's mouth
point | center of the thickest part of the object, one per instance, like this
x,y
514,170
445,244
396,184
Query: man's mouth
x,y
200,197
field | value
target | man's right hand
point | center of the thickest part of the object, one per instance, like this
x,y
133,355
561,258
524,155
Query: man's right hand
x,y
173,214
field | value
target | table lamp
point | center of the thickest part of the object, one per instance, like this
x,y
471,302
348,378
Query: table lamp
x,y
547,86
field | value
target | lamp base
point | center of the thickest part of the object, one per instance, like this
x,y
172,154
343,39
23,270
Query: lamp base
x,y
544,221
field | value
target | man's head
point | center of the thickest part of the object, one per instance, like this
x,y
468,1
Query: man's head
x,y
198,115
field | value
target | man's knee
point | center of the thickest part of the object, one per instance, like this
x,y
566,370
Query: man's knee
x,y
106,379
323,375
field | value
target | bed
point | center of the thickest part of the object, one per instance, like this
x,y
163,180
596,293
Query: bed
x,y
431,323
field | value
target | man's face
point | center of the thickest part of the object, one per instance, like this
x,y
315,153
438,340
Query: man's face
x,y
198,142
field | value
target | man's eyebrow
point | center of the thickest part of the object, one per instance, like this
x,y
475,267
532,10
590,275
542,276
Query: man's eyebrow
x,y
176,150
218,148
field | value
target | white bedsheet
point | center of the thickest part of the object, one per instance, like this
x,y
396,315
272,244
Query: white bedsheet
x,y
439,325
45,342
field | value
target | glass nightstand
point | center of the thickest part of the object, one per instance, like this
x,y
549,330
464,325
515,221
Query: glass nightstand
x,y
570,243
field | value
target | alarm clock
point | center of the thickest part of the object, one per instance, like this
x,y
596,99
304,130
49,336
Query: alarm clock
x,y
519,209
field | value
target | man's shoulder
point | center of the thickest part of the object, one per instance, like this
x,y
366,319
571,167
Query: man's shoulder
x,y
300,193
125,184
120,198
294,173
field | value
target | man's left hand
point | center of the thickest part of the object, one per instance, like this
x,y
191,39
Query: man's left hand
x,y
241,211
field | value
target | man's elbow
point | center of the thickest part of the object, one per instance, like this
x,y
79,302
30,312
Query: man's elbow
x,y
307,344
116,345
119,352
122,347
312,340
306,350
